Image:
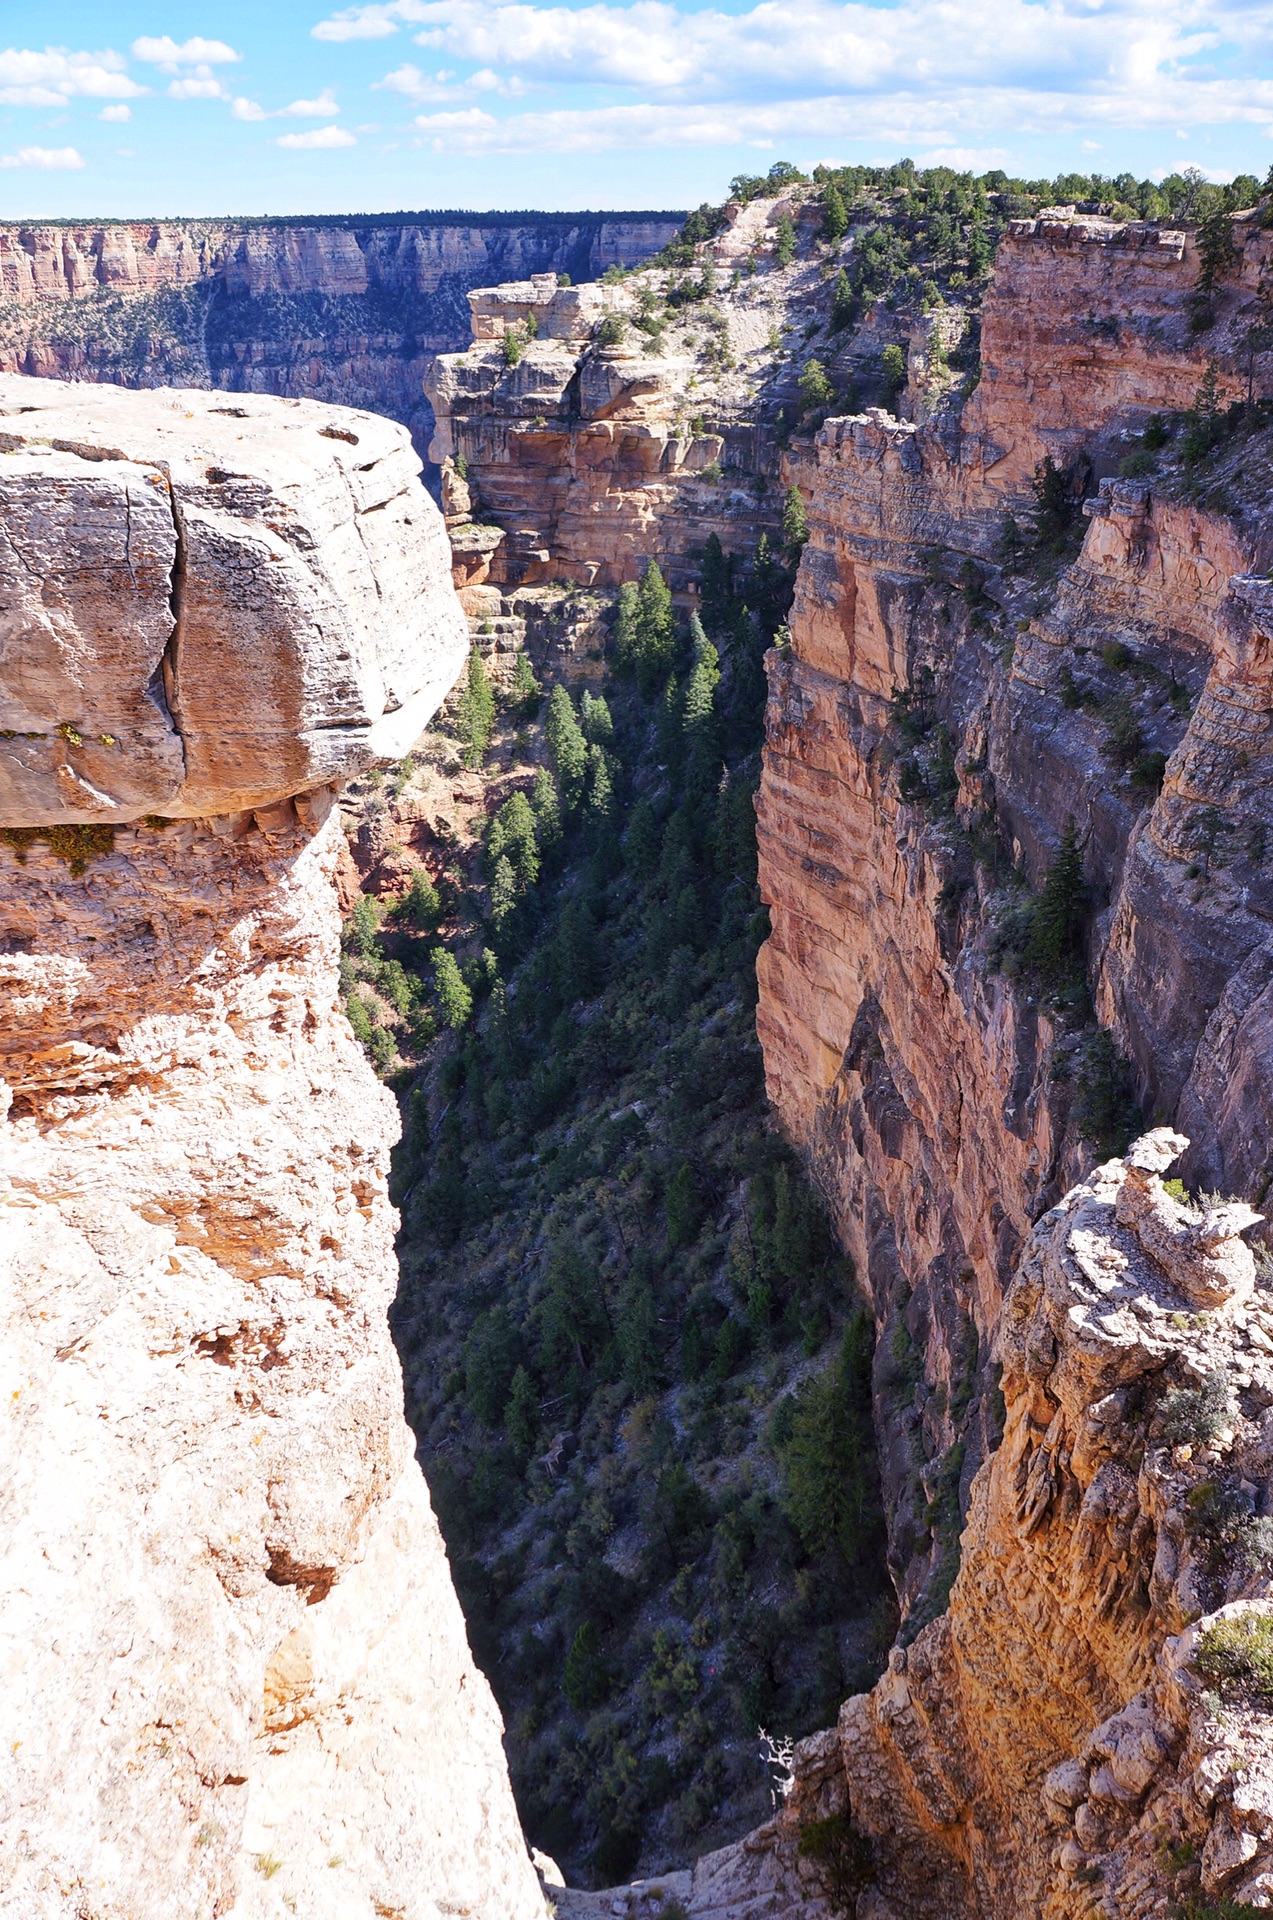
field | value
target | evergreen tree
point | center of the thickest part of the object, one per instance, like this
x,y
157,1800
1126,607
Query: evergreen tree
x,y
795,521
600,787
420,906
526,689
567,746
585,1681
511,836
816,391
715,582
594,720
641,841
828,1459
476,715
784,241
504,890
521,1414
627,628
545,804
842,302
656,646
670,736
835,216
455,1001
1056,925
490,1361
893,364
362,927
1056,505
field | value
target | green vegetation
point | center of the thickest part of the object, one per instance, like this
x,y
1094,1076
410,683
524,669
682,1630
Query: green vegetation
x,y
74,846
636,1363
1195,1415
1237,1653
842,1856
476,712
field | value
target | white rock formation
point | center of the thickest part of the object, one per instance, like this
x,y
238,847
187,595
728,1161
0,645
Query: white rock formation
x,y
208,602
233,1670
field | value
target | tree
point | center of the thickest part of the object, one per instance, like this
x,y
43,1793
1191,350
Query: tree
x,y
594,720
511,836
362,927
514,346
585,1680
627,627
828,1457
715,581
420,906
835,217
476,715
546,807
784,241
504,890
455,1002
1060,912
1055,503
1215,253
893,363
795,521
816,391
842,302
521,1414
600,786
526,689
656,644
567,746
490,1361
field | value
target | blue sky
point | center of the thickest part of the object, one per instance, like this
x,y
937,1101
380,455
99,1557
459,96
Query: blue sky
x,y
287,106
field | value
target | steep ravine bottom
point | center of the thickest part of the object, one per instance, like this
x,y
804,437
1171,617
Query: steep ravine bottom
x,y
636,1364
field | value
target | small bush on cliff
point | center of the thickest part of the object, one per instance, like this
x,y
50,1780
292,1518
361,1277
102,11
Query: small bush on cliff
x,y
842,1856
1237,1653
816,391
893,367
1195,1415
1056,506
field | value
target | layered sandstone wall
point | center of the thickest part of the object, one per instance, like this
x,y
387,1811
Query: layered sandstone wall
x,y
235,1673
934,1094
348,313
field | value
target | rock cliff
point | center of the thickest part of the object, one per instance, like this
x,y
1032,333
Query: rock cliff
x,y
943,711
344,311
235,1673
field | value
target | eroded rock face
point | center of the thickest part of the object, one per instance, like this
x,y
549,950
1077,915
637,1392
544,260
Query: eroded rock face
x,y
234,1669
207,608
1048,1745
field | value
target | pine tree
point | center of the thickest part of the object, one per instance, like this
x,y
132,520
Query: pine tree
x,y
784,241
595,721
816,390
526,689
627,628
835,217
546,807
455,1002
600,787
585,1681
504,891
567,745
476,715
795,521
1060,912
419,906
657,630
715,583
521,1415
512,837
641,841
842,302
893,364
362,927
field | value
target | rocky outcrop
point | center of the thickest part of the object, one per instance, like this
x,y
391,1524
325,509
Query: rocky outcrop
x,y
235,1673
350,312
1053,1744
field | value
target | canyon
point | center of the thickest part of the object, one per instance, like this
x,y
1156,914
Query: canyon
x,y
349,311
1028,651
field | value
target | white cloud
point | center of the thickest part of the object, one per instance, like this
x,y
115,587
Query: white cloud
x,y
165,52
44,159
243,109
370,22
118,114
916,70
316,137
51,78
320,109
197,86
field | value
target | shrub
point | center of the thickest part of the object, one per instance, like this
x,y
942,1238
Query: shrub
x,y
893,364
842,1856
1195,1415
612,331
1237,1653
514,347
816,390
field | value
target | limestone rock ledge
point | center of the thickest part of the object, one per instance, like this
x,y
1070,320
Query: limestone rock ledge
x,y
234,1670
208,606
